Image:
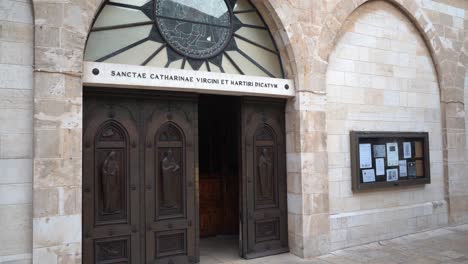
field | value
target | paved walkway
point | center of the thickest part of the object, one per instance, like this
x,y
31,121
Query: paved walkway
x,y
446,245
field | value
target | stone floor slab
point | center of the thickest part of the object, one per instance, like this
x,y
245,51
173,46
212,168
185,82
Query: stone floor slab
x,y
441,246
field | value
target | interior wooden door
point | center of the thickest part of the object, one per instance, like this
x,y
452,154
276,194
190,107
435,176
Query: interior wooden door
x,y
264,209
110,183
219,121
170,176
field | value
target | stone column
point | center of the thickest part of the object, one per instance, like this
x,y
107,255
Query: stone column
x,y
308,214
61,28
455,163
450,55
16,107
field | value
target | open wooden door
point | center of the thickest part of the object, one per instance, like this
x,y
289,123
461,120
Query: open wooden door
x,y
170,176
263,201
139,178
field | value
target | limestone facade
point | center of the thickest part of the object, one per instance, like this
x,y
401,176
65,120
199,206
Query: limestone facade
x,y
312,36
16,129
381,78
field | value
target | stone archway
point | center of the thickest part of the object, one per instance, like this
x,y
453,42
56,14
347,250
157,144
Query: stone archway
x,y
450,76
303,46
58,120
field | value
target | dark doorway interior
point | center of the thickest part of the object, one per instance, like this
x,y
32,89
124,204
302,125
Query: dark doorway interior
x,y
219,124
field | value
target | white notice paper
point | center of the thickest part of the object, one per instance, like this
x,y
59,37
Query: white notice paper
x,y
380,167
365,156
407,150
403,170
392,175
392,154
368,176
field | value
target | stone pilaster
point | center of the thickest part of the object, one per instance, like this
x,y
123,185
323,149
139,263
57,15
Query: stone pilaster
x,y
61,28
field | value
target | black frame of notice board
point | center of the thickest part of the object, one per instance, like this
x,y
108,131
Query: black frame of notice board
x,y
420,174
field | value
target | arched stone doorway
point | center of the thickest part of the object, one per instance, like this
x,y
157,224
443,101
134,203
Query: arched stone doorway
x,y
162,170
303,30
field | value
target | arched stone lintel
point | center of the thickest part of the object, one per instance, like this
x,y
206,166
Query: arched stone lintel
x,y
441,54
450,74
58,83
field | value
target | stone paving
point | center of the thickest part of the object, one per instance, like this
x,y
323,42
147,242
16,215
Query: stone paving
x,y
446,245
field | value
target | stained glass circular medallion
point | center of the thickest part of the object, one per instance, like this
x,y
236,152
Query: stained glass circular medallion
x,y
198,29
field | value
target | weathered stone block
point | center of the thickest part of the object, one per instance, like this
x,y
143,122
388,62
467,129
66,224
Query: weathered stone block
x,y
16,11
47,36
49,14
16,32
58,60
56,230
16,146
16,76
17,121
15,171
17,99
15,194
46,202
55,172
64,254
16,53
16,223
49,143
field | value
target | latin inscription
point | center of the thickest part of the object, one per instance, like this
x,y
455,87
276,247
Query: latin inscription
x,y
190,79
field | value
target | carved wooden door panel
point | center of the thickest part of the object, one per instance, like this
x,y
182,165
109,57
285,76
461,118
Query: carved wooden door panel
x,y
170,167
264,212
110,183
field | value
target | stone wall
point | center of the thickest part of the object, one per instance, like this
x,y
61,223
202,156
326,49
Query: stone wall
x,y
61,28
306,32
16,95
381,78
466,116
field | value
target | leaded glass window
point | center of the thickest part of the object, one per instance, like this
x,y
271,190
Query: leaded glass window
x,y
227,36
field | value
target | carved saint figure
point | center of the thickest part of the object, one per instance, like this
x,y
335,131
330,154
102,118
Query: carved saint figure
x,y
169,172
265,173
110,184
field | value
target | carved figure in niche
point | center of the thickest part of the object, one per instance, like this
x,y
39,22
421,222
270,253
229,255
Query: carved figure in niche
x,y
169,172
110,184
265,173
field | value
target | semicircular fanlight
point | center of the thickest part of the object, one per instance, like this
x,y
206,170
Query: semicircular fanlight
x,y
227,36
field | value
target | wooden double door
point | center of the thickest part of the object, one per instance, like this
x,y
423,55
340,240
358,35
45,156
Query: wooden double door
x,y
140,178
